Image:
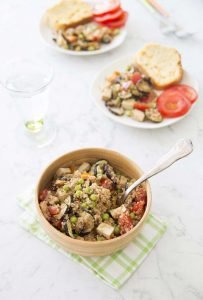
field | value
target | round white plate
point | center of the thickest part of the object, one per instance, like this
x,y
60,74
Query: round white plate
x,y
120,65
47,36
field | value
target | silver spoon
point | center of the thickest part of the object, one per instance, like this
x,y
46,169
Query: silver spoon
x,y
183,148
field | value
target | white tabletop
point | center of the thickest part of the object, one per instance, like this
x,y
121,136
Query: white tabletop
x,y
30,269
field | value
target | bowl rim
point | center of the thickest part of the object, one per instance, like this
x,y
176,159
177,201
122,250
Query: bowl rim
x,y
81,242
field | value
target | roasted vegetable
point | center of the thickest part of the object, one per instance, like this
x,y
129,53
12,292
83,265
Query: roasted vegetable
x,y
117,110
143,85
153,115
138,115
89,207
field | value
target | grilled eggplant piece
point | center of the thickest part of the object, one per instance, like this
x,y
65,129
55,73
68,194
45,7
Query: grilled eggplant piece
x,y
97,168
114,103
108,170
124,95
144,85
84,167
135,92
68,228
153,115
63,171
118,111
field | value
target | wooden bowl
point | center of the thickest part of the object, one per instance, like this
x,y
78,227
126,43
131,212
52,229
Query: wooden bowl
x,y
88,248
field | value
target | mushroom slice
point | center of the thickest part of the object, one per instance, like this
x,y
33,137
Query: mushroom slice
x,y
68,228
105,229
118,211
118,111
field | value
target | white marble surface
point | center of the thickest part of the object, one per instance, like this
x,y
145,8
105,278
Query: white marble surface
x,y
31,270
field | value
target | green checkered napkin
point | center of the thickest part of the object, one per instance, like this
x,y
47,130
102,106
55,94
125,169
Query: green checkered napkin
x,y
114,269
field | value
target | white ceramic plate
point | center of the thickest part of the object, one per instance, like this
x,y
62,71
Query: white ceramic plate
x,y
47,36
96,92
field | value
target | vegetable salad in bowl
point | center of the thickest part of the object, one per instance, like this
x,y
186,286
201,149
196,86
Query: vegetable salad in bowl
x,y
85,202
131,93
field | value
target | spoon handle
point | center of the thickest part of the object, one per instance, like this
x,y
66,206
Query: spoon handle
x,y
183,148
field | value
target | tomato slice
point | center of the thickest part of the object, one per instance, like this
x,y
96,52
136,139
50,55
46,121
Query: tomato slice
x,y
120,22
107,183
141,105
136,77
109,16
125,222
138,207
43,195
187,91
107,6
54,210
172,104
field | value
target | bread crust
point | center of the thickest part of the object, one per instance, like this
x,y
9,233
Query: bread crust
x,y
145,59
68,13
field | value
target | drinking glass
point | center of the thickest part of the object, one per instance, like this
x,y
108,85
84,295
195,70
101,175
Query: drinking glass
x,y
27,81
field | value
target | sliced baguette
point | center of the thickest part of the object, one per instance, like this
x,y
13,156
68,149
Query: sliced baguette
x,y
161,64
68,13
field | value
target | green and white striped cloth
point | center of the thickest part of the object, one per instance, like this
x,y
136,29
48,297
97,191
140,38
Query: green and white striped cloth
x,y
114,269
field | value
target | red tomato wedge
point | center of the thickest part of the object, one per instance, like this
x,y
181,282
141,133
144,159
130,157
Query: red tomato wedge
x,y
54,210
186,91
142,105
107,6
109,16
125,222
136,77
172,104
120,22
43,195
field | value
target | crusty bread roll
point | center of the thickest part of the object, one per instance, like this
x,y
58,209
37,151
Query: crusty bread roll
x,y
68,13
161,64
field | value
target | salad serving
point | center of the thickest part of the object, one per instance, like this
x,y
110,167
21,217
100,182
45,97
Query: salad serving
x,y
84,202
150,88
80,26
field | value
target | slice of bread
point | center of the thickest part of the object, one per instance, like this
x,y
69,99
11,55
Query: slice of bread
x,y
161,64
68,13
